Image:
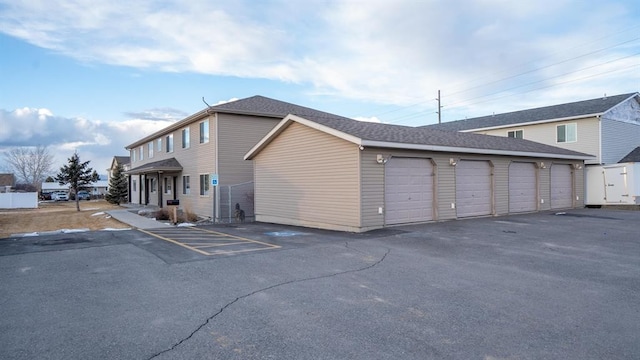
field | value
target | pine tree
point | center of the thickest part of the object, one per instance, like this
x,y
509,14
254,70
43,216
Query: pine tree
x,y
118,187
78,175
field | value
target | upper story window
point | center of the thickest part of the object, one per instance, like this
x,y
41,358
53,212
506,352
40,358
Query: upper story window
x,y
186,139
133,155
159,144
150,147
518,134
566,133
141,153
169,141
204,132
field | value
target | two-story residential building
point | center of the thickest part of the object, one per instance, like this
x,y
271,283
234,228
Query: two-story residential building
x,y
199,160
607,127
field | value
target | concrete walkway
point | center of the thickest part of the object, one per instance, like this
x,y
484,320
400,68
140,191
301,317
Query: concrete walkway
x,y
135,220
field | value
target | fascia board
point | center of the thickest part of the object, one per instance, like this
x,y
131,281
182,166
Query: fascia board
x,y
452,149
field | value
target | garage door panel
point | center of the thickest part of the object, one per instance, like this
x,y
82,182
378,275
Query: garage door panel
x,y
522,187
473,188
408,190
561,186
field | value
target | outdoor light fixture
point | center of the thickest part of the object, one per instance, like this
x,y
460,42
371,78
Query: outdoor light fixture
x,y
453,162
380,159
541,165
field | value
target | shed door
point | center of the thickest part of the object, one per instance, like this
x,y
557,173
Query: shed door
x,y
522,187
473,188
408,190
615,185
561,186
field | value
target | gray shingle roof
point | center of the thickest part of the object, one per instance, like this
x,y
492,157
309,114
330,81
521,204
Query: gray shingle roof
x,y
633,156
163,165
264,106
574,109
423,136
255,106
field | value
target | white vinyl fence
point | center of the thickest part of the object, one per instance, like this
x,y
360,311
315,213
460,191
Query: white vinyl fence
x,y
19,200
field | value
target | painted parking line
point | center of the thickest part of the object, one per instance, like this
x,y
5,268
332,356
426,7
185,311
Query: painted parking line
x,y
208,242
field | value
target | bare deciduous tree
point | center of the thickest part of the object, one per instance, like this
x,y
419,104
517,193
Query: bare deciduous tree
x,y
31,165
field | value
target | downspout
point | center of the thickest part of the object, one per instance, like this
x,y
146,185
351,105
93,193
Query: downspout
x,y
216,191
159,187
599,139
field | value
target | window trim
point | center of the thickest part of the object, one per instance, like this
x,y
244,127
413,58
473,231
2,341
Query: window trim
x,y
169,143
141,152
150,149
566,133
204,135
206,189
186,190
186,138
159,145
515,132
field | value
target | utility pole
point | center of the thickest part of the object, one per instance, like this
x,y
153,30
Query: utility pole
x,y
439,112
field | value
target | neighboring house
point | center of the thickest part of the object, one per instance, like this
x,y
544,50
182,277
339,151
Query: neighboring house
x,y
7,181
607,127
325,171
183,161
124,161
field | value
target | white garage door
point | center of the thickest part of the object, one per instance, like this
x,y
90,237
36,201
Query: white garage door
x,y
561,186
522,187
408,190
473,188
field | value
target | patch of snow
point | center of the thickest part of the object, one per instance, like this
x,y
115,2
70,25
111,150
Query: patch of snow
x,y
31,234
186,224
112,229
88,209
98,213
71,231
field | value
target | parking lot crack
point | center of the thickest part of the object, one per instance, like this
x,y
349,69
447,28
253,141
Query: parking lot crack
x,y
229,304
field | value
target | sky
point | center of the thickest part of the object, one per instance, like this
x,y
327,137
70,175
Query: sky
x,y
92,76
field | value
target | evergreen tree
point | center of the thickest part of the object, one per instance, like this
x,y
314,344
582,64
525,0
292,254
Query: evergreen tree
x,y
78,175
118,187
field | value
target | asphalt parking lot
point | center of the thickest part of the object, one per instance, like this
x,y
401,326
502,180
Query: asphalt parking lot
x,y
533,286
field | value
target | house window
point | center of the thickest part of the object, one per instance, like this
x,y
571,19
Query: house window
x,y
153,184
186,186
169,143
150,147
185,138
204,184
518,134
159,145
566,133
204,132
134,185
141,153
167,185
133,155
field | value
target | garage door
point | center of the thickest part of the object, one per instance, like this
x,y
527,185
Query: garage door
x,y
473,188
408,190
561,186
522,187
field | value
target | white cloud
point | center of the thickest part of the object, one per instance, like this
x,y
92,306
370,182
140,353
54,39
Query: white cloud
x,y
94,140
390,52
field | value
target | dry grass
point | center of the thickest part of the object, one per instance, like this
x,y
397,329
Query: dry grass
x,y
52,216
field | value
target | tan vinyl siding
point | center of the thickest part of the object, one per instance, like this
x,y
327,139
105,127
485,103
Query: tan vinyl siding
x,y
372,189
238,135
579,194
544,187
501,185
195,160
309,178
588,135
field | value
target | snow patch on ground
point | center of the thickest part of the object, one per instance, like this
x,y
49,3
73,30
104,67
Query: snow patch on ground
x,y
98,213
112,229
186,224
